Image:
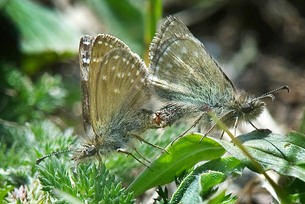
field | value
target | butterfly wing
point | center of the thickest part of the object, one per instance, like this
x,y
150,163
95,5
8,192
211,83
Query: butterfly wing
x,y
117,89
183,71
85,46
102,44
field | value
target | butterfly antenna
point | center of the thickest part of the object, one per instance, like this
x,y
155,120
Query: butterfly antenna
x,y
270,93
53,154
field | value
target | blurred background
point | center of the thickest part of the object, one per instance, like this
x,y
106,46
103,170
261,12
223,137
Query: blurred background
x,y
259,44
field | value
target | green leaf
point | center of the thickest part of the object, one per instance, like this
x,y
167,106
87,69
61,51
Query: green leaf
x,y
202,180
41,29
223,199
295,187
44,34
182,155
283,154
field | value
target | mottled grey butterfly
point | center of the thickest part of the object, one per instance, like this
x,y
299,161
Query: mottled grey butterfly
x,y
186,76
114,86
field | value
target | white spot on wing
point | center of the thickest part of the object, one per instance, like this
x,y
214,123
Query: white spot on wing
x,y
85,59
86,42
120,75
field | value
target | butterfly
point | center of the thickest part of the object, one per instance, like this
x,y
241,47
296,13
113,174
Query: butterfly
x,y
114,84
192,84
114,89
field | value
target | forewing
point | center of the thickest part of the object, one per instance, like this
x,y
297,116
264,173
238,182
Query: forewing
x,y
120,89
182,69
85,46
102,45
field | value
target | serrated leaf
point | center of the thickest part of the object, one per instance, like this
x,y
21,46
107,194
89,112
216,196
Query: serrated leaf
x,y
88,183
182,155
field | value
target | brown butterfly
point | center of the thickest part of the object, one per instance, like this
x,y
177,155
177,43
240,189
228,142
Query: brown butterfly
x,y
114,86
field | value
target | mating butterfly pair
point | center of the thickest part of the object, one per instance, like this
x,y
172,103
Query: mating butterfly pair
x,y
116,85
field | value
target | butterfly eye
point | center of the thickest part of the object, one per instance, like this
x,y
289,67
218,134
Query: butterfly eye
x,y
90,151
246,107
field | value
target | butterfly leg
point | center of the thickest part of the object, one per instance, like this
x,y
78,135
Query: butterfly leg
x,y
130,154
213,126
135,149
193,125
235,125
142,140
253,125
221,118
223,132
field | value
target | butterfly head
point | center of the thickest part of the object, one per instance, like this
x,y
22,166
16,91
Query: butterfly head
x,y
244,108
87,150
252,108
